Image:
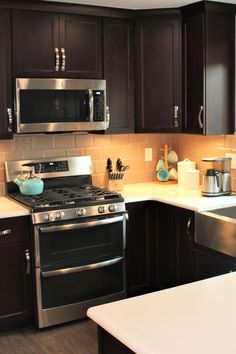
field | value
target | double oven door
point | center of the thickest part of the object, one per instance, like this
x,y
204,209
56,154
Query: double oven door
x,y
78,264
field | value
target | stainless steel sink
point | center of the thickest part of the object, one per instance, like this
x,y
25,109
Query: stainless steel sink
x,y
216,229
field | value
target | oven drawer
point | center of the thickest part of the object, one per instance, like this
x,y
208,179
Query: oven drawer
x,y
82,283
60,243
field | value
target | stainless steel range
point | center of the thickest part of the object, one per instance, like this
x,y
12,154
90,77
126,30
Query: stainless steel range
x,y
79,235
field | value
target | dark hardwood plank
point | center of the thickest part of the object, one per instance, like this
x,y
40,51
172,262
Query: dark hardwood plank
x,y
78,337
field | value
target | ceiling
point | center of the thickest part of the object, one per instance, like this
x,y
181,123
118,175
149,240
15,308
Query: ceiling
x,y
136,4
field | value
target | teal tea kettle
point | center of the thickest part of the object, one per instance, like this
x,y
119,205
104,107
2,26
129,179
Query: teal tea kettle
x,y
30,184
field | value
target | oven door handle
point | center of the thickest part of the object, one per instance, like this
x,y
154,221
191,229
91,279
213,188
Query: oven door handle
x,y
81,225
65,271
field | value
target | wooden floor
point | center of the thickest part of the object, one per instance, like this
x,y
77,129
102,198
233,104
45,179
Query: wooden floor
x,y
75,338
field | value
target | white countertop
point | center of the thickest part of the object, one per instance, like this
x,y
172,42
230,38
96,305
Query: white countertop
x,y
197,318
9,208
137,192
172,194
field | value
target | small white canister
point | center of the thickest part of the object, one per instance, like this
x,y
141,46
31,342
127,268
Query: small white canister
x,y
182,166
192,179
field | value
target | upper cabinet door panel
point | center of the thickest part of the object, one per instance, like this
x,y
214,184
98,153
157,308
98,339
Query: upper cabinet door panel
x,y
35,38
158,75
5,75
194,73
118,72
81,37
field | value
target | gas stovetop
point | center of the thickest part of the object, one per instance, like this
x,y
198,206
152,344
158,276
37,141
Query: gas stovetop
x,y
67,197
68,191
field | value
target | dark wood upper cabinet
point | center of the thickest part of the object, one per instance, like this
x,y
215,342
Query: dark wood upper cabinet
x,y
118,72
49,44
15,273
158,73
6,101
208,62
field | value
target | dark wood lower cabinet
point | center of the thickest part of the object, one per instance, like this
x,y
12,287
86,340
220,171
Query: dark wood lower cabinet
x,y
15,294
141,238
107,344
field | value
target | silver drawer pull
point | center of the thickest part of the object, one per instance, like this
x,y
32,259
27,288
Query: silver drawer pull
x,y
57,55
10,119
176,110
5,232
53,273
63,59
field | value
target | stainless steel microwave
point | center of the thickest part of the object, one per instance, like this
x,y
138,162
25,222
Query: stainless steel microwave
x,y
60,105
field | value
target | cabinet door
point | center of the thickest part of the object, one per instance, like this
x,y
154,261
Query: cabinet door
x,y
194,73
81,37
5,75
167,233
140,249
15,297
158,75
35,39
118,72
209,71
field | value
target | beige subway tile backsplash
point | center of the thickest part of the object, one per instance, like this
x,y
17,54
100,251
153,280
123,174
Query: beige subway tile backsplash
x,y
129,147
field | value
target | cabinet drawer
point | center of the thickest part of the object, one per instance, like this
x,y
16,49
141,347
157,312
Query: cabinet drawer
x,y
14,230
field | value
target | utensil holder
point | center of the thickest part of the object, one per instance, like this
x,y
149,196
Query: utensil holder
x,y
114,181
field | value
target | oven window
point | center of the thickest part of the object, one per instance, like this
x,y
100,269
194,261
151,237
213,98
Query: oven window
x,y
54,106
86,285
67,245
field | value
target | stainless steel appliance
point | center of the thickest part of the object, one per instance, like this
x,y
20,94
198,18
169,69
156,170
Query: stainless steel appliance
x,y
217,179
60,105
79,235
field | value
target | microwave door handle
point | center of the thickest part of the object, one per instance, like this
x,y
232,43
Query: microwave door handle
x,y
81,225
90,105
53,273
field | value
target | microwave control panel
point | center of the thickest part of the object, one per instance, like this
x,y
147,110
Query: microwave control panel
x,y
98,102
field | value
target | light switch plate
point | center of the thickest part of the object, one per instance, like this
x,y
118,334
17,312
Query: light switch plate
x,y
233,161
148,154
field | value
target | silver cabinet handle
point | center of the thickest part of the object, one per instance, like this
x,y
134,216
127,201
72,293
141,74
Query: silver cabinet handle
x,y
63,59
107,117
27,258
10,119
188,226
176,110
57,59
5,232
53,273
200,117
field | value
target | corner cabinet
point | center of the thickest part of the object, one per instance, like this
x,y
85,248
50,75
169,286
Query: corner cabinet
x,y
15,273
208,59
176,259
158,73
50,44
6,101
140,252
118,72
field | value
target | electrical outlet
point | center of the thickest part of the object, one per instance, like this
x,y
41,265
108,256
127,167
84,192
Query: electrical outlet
x,y
233,161
148,154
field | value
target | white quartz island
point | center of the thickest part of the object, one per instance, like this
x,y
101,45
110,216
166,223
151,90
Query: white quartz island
x,y
197,318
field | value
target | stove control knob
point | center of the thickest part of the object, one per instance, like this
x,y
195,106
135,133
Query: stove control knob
x,y
51,217
59,215
101,209
112,208
81,212
46,217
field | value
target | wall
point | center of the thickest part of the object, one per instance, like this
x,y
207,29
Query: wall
x,y
129,147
